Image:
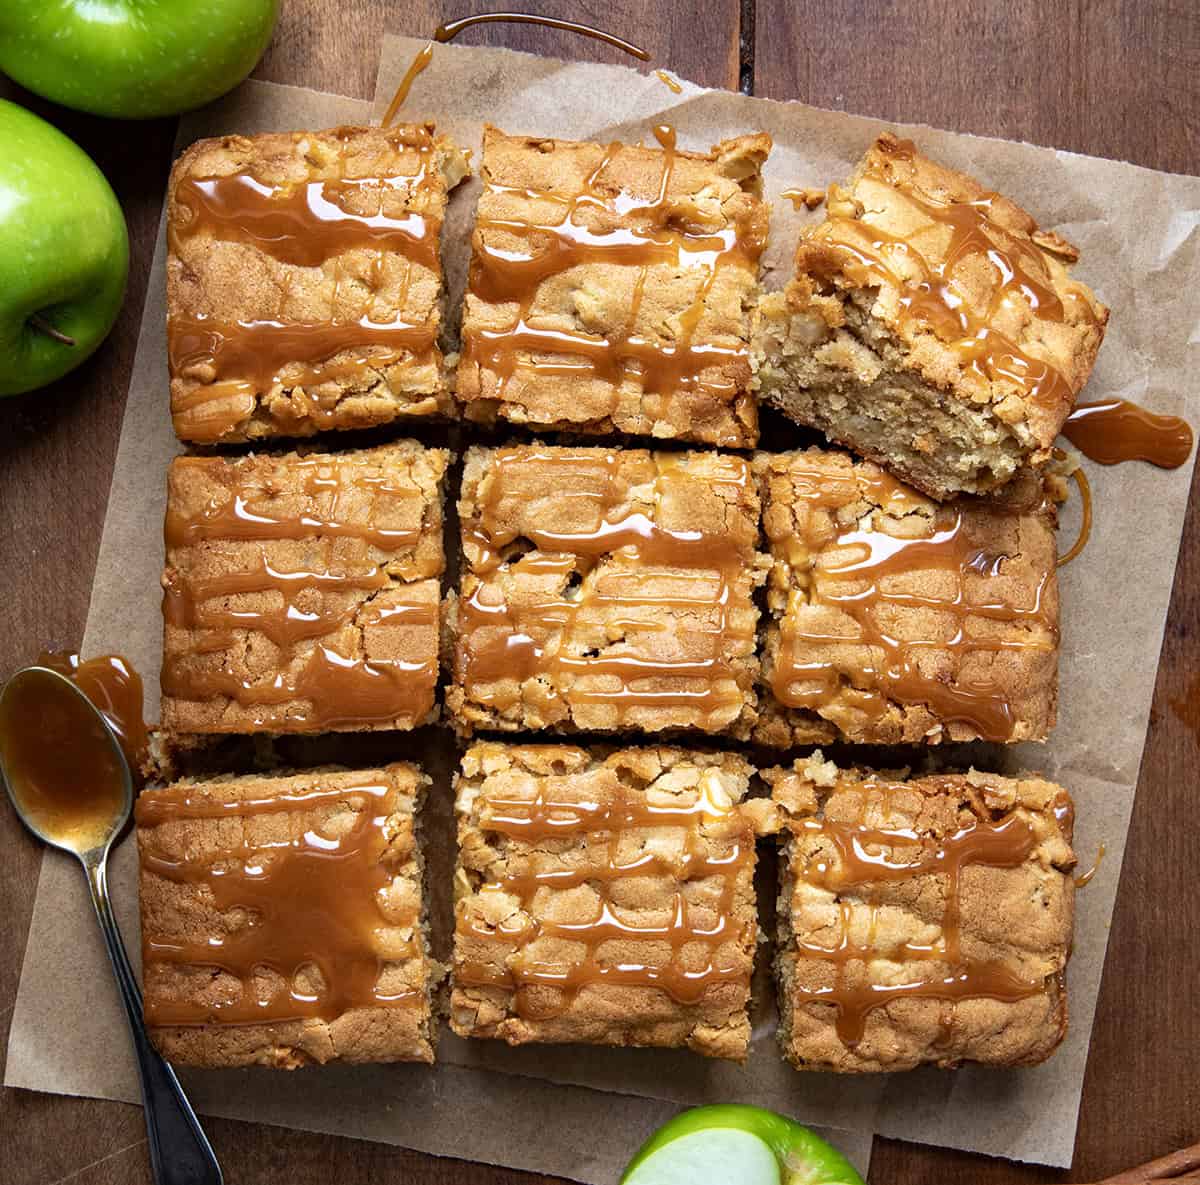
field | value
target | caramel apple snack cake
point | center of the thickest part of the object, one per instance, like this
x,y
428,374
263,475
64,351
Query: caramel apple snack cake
x,y
606,589
304,284
896,619
302,591
921,920
610,286
604,898
283,919
931,326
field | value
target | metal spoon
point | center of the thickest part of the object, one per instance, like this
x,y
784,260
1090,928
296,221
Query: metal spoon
x,y
35,704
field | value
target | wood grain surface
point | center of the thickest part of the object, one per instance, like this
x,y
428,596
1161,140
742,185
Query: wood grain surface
x,y
1118,78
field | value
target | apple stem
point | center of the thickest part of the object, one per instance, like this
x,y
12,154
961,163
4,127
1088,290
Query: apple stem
x,y
43,326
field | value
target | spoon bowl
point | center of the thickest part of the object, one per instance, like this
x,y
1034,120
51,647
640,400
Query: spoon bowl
x,y
62,764
65,773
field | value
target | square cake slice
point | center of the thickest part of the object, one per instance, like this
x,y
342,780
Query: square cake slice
x,y
301,591
898,619
921,920
610,287
304,283
605,590
283,919
606,899
931,326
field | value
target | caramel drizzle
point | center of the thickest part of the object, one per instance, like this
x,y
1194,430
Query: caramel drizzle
x,y
451,29
1085,525
937,299
417,66
312,901
543,817
1114,430
504,276
303,224
857,587
672,84
864,857
342,691
503,642
1085,878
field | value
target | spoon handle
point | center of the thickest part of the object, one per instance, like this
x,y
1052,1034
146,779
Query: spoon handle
x,y
179,1150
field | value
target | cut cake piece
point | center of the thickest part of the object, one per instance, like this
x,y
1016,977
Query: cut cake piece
x,y
923,919
604,898
896,619
931,326
283,919
610,287
304,281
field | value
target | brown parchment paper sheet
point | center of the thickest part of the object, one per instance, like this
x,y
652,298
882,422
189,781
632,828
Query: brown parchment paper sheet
x,y
1141,249
68,1033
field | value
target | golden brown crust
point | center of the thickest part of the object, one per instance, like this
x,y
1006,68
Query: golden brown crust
x,y
606,589
900,654
224,274
331,559
710,199
1014,918
185,913
953,394
508,928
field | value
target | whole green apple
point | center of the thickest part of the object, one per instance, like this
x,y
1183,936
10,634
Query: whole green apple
x,y
133,59
64,253
737,1145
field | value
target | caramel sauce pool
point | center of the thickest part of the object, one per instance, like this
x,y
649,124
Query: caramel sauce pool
x,y
59,762
1115,430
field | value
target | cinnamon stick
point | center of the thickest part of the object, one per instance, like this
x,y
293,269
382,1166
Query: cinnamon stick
x,y
1182,1165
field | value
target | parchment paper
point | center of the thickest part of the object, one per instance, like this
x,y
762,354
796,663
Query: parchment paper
x,y
1138,233
68,1033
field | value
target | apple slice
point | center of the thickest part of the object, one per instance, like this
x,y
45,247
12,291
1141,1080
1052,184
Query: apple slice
x,y
737,1145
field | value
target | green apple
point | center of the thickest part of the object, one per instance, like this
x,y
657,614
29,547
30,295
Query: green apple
x,y
64,253
133,59
737,1145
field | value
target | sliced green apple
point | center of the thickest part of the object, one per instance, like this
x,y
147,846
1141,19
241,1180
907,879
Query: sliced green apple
x,y
737,1145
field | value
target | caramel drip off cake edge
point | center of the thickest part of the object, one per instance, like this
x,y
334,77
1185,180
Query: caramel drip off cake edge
x,y
284,918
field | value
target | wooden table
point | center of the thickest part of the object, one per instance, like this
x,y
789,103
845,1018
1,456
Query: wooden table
x,y
1117,78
